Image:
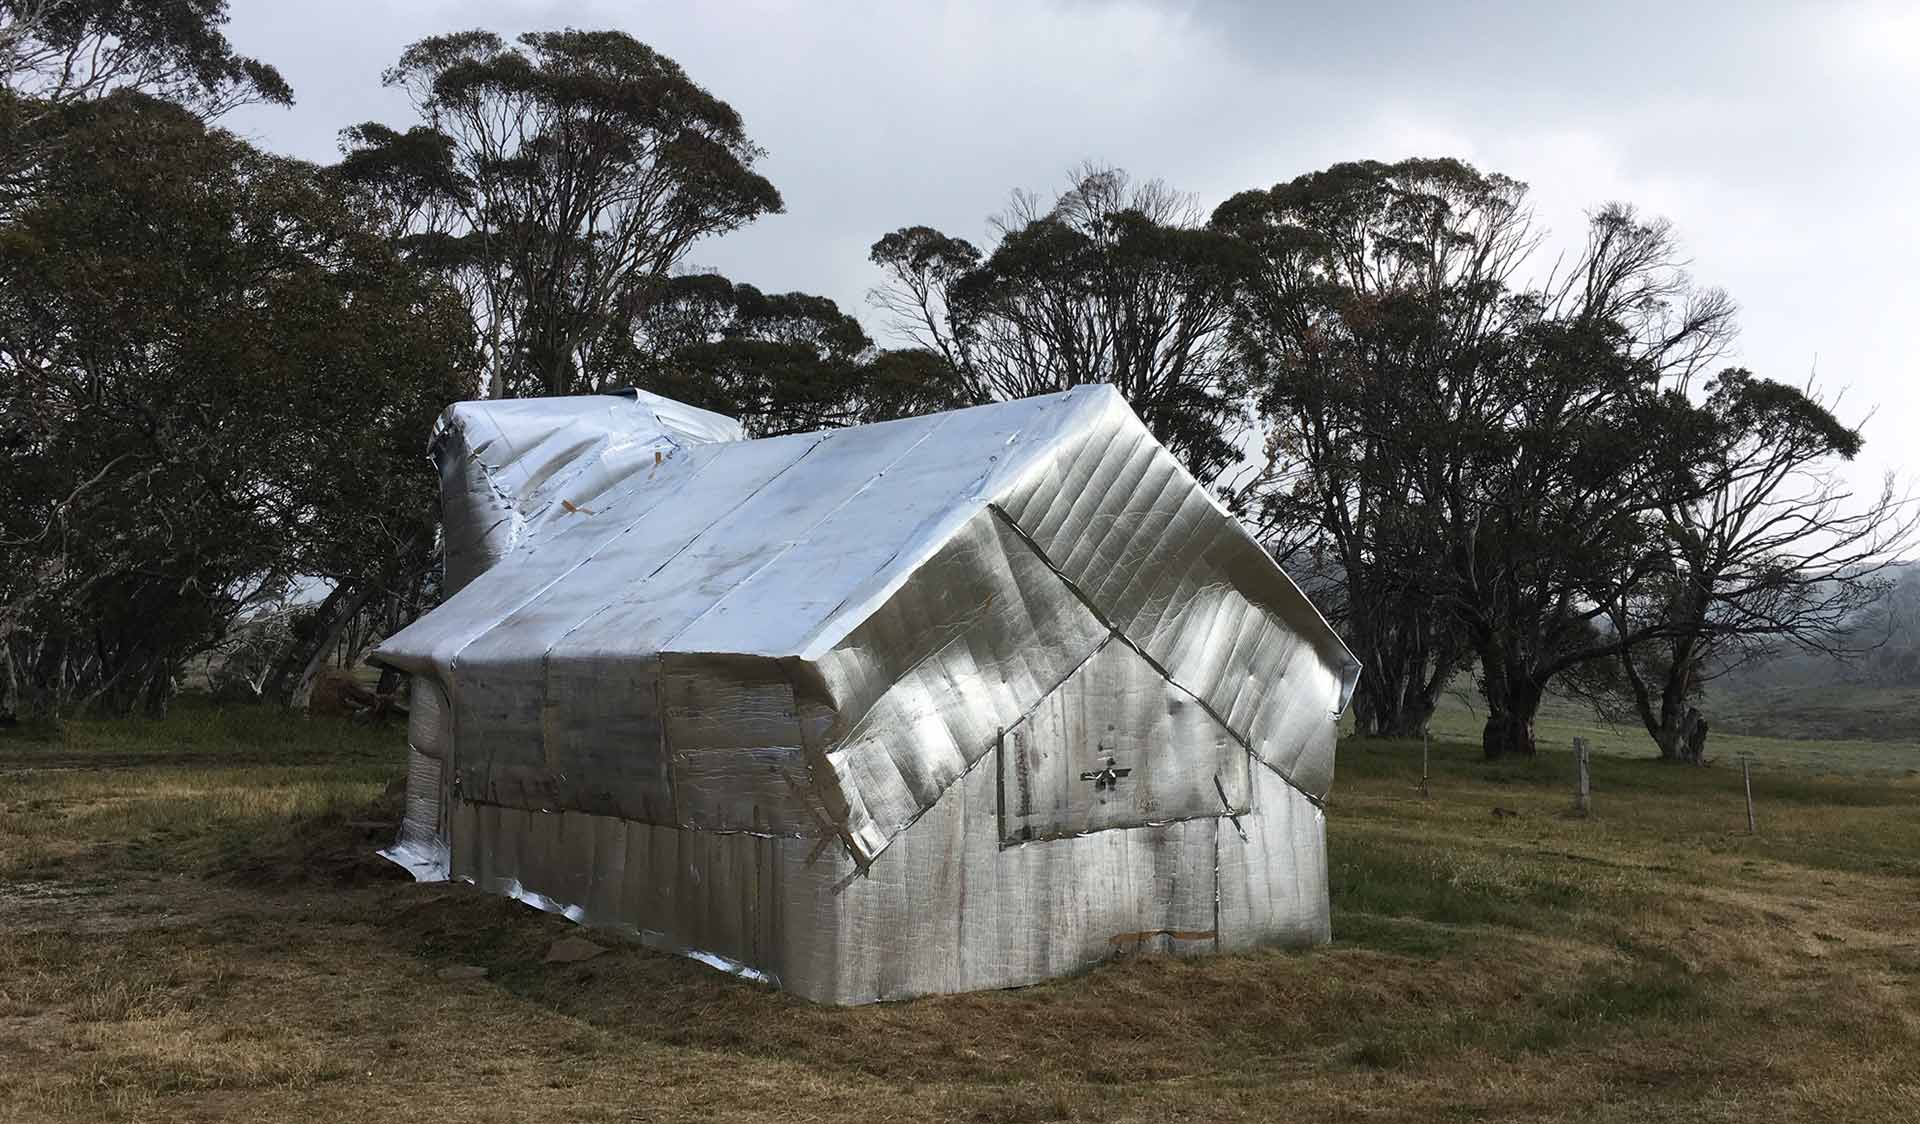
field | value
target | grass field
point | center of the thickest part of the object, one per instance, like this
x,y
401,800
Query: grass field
x,y
1866,732
191,928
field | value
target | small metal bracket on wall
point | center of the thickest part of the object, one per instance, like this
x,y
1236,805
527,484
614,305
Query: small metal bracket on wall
x,y
1106,776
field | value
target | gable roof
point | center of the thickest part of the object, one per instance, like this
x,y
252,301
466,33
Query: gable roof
x,y
923,582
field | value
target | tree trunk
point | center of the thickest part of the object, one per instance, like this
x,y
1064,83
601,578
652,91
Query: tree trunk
x,y
1508,733
1364,722
1682,736
1513,701
9,692
1383,708
43,691
297,666
1680,730
277,684
1409,721
1406,668
157,691
1696,753
1676,726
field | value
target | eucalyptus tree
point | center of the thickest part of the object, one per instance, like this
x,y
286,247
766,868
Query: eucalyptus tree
x,y
780,362
59,53
213,381
1563,456
1109,281
1774,552
1489,459
55,52
1373,289
556,176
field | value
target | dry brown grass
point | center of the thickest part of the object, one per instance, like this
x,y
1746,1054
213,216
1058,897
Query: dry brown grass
x,y
203,941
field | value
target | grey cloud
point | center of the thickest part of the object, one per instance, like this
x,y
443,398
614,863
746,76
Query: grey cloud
x,y
1774,135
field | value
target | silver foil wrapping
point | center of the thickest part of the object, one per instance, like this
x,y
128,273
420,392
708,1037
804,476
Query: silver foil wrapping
x,y
506,465
960,701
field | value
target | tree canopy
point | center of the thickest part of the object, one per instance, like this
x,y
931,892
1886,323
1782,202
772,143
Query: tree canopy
x,y
213,382
1368,284
555,176
1111,281
53,52
780,362
1511,473
1770,553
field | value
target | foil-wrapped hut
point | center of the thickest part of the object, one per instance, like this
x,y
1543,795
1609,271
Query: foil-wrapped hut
x,y
960,701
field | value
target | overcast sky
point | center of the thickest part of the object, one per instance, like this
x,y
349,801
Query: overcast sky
x,y
1781,141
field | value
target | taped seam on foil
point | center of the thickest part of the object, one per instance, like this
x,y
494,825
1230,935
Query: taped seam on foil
x,y
647,823
834,625
1009,845
1114,400
500,615
546,656
801,536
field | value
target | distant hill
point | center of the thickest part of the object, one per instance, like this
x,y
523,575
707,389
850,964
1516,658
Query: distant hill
x,y
1872,695
1885,639
1831,712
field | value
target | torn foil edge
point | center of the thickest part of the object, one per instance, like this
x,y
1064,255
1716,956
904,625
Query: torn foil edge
x,y
428,863
649,938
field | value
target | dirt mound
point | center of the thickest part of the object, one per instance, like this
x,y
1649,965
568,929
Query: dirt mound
x,y
337,848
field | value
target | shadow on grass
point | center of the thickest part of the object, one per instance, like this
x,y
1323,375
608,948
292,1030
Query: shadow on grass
x,y
1387,878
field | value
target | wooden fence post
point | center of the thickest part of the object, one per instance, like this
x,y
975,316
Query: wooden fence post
x,y
1746,778
1426,741
1583,791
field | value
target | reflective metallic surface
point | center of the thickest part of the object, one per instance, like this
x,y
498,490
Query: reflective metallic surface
x,y
952,702
505,464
